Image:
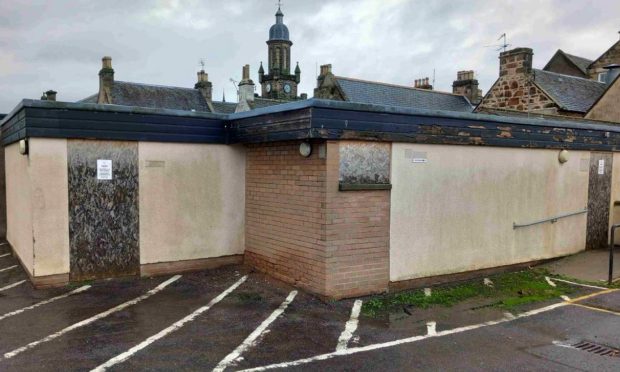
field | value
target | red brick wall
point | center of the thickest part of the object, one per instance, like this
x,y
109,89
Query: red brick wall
x,y
301,229
357,236
285,198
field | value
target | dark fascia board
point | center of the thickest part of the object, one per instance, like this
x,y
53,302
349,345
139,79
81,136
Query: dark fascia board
x,y
111,122
109,108
388,116
437,114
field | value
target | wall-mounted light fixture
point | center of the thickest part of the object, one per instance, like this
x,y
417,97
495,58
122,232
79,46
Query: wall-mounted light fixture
x,y
305,149
563,156
23,147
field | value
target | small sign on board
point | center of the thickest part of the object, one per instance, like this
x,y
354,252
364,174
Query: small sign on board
x,y
104,169
601,166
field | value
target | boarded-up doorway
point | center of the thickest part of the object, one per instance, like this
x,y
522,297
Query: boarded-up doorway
x,y
103,209
599,194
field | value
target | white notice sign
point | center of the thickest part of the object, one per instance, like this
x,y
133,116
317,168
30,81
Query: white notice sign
x,y
104,169
601,166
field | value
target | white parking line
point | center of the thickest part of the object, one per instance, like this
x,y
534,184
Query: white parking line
x,y
92,319
8,268
12,285
384,345
550,282
579,284
12,313
4,255
258,332
350,327
163,333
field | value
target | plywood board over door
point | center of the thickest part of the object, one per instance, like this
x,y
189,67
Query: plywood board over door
x,y
103,209
599,194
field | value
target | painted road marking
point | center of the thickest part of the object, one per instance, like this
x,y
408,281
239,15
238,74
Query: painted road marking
x,y
350,327
92,319
551,283
384,345
251,340
579,284
165,332
431,328
596,309
4,255
594,295
8,268
508,315
565,298
12,285
12,313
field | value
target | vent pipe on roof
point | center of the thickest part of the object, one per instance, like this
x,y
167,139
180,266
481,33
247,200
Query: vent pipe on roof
x,y
612,73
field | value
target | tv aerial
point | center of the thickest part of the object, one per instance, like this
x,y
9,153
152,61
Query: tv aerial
x,y
503,46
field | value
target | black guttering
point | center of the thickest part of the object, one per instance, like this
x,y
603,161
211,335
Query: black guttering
x,y
308,119
91,121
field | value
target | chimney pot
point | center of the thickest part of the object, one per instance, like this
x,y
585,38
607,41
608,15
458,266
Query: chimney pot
x,y
203,77
326,69
106,62
50,95
245,72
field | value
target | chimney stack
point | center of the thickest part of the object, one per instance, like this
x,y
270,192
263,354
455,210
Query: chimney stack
x,y
325,70
204,85
467,85
50,95
246,85
423,84
106,80
516,61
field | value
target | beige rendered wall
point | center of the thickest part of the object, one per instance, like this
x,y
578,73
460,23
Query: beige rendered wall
x,y
37,205
50,205
192,199
455,213
19,205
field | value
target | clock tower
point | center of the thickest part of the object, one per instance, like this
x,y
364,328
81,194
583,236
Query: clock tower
x,y
279,82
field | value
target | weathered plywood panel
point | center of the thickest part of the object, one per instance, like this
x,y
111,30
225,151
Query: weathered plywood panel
x,y
103,214
364,162
599,195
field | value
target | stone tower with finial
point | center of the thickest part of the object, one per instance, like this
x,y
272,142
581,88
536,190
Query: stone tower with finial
x,y
279,82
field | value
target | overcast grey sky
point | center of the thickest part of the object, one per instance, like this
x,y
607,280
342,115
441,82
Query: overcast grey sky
x,y
54,44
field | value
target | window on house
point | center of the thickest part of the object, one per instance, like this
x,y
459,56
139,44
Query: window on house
x,y
602,76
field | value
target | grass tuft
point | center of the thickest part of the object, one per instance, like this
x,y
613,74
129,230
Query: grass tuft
x,y
509,291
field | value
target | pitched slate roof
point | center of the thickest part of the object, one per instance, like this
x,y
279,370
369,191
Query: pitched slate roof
x,y
580,62
154,96
224,107
570,93
265,102
176,98
371,92
90,99
157,96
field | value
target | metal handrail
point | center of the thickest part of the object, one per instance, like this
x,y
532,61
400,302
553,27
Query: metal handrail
x,y
550,219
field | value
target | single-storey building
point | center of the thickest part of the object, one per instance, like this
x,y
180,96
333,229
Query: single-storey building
x,y
339,198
